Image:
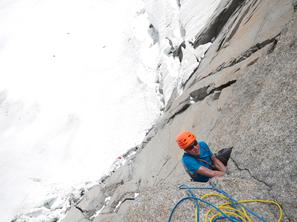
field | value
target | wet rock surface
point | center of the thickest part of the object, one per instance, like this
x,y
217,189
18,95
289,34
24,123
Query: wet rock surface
x,y
243,95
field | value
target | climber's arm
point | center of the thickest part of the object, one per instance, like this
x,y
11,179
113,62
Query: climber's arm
x,y
209,173
218,164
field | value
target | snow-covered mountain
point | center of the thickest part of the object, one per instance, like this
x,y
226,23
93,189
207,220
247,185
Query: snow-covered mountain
x,y
81,83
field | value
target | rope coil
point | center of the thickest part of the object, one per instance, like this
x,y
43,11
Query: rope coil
x,y
232,210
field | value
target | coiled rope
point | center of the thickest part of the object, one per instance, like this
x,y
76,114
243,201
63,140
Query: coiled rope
x,y
232,210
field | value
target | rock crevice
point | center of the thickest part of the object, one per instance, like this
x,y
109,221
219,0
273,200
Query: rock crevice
x,y
250,173
217,22
244,55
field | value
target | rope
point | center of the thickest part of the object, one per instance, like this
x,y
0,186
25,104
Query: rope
x,y
232,210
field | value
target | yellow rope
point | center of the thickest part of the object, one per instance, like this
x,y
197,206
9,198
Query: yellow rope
x,y
229,214
196,217
241,213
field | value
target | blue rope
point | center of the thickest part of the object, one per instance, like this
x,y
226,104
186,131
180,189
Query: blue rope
x,y
192,196
203,201
190,193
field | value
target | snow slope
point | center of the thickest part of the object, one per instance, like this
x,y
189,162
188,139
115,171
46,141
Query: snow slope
x,y
78,89
81,82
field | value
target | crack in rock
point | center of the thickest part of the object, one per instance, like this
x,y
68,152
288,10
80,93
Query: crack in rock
x,y
81,210
115,205
198,95
174,168
110,190
191,75
245,55
234,29
214,28
202,93
181,110
161,168
86,213
249,52
122,200
250,173
252,50
294,5
168,175
221,87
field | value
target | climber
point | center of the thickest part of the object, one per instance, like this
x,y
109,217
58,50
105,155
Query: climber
x,y
199,162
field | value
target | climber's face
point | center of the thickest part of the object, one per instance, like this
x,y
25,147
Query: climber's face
x,y
193,149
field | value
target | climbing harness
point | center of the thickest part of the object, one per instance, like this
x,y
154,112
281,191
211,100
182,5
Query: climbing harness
x,y
232,210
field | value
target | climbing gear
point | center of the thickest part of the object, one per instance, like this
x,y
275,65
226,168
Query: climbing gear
x,y
232,210
185,139
224,154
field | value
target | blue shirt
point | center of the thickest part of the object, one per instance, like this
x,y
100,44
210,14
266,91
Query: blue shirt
x,y
192,163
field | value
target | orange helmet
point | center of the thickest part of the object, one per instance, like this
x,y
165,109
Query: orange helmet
x,y
185,139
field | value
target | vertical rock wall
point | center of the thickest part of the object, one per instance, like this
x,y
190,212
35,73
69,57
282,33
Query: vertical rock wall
x,y
242,95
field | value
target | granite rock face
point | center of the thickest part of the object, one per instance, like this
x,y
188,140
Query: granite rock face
x,y
243,95
261,121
